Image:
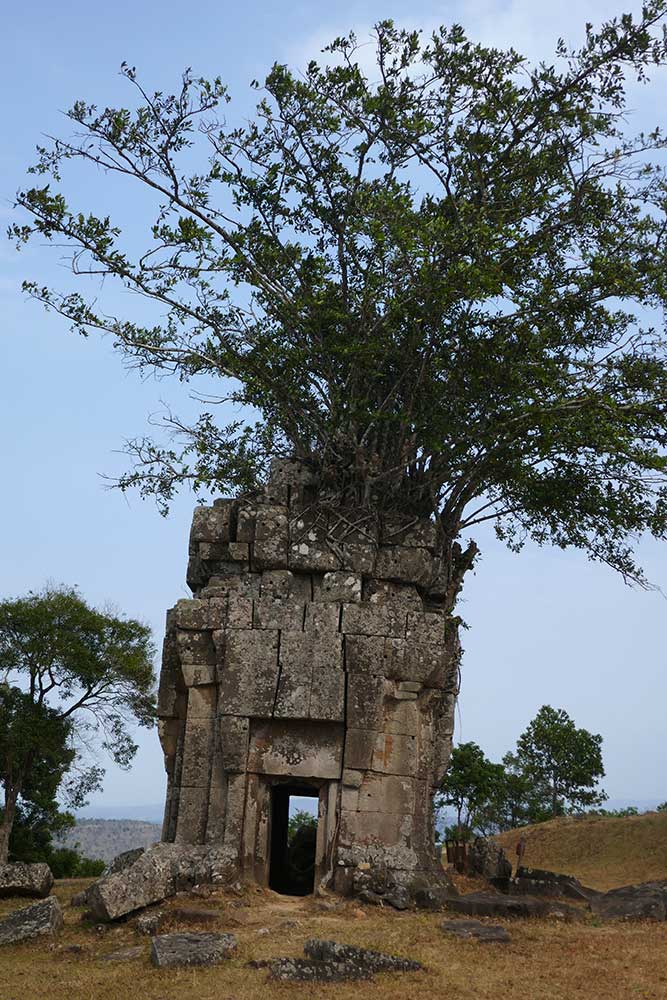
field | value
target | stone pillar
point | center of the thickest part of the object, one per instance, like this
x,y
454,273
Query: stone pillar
x,y
316,648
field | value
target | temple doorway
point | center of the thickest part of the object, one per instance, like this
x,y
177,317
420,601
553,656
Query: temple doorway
x,y
294,810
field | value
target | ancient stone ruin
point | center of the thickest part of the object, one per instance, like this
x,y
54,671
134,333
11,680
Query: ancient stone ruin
x,y
315,658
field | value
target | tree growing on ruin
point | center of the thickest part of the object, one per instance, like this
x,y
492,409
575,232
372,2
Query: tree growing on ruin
x,y
439,282
72,679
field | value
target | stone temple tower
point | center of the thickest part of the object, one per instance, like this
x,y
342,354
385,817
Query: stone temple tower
x,y
315,658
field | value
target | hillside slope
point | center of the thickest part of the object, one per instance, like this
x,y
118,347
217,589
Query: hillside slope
x,y
602,851
105,838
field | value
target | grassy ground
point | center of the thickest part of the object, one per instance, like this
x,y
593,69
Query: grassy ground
x,y
603,852
545,959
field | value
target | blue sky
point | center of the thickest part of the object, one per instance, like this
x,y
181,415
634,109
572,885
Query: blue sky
x,y
545,626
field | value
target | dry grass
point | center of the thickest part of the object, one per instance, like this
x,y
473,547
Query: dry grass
x,y
544,960
602,851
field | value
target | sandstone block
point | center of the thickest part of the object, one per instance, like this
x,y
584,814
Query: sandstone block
x,y
322,617
202,703
168,733
304,650
404,595
427,627
190,615
212,524
411,565
195,647
410,531
175,950
352,779
249,672
341,586
374,654
327,694
293,699
196,674
363,619
192,814
233,610
20,879
359,748
395,754
239,551
278,614
245,524
271,537
282,584
365,701
234,733
387,794
303,749
43,919
309,547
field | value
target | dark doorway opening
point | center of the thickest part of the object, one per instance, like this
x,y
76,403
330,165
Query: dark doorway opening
x,y
292,865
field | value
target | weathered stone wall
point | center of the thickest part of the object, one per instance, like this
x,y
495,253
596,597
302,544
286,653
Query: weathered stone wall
x,y
316,648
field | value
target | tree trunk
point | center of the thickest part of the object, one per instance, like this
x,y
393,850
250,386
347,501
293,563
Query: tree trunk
x,y
7,823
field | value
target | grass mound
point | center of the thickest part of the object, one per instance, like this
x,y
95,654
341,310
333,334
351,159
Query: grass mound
x,y
602,851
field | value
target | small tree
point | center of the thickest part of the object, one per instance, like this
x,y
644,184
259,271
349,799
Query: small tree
x,y
469,784
514,800
72,680
562,759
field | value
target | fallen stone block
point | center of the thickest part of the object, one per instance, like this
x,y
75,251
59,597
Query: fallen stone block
x,y
43,919
124,860
476,930
303,970
149,923
487,904
170,950
436,898
647,901
540,882
159,873
363,958
19,879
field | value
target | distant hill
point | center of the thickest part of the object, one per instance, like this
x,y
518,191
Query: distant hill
x,y
105,838
604,852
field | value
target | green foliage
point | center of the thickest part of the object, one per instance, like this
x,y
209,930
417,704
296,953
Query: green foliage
x,y
301,820
662,807
616,813
567,761
470,782
32,837
554,770
74,678
432,282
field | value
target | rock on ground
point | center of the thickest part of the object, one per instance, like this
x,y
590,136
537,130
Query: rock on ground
x,y
486,904
475,929
19,879
303,970
157,874
123,861
169,950
539,882
331,962
374,961
38,920
434,899
647,901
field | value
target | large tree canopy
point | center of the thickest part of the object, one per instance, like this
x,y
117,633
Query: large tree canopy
x,y
434,281
71,679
